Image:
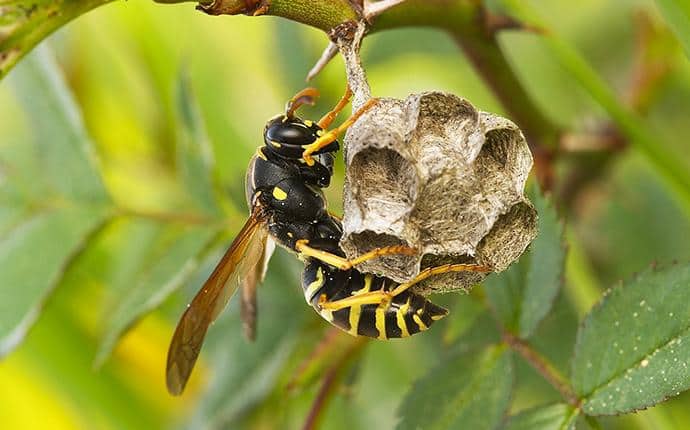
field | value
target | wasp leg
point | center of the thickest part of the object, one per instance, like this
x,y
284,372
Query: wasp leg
x,y
327,138
384,297
343,263
327,119
438,270
370,298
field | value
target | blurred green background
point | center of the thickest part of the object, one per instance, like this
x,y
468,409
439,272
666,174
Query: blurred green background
x,y
125,63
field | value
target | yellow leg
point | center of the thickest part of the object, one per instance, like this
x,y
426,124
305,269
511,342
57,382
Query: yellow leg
x,y
327,119
345,264
330,136
371,298
383,297
438,270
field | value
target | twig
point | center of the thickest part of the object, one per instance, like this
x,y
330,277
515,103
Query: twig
x,y
374,9
327,55
543,366
322,14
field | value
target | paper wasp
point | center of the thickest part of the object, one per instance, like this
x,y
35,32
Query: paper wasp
x,y
284,186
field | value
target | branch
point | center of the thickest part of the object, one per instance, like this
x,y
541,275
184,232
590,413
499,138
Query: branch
x,y
24,23
543,366
322,14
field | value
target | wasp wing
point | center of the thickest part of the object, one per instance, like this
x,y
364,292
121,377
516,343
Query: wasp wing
x,y
248,308
238,261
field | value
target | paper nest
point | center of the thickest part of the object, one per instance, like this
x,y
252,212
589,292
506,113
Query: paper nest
x,y
434,173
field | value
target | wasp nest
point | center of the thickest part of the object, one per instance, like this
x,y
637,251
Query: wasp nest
x,y
433,173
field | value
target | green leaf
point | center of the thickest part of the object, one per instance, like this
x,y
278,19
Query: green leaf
x,y
50,223
632,349
24,23
67,161
470,390
677,15
551,417
524,294
174,258
194,153
33,258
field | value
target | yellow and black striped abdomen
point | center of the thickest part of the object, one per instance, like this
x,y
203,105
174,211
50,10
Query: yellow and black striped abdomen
x,y
402,316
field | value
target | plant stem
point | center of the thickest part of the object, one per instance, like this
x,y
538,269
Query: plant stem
x,y
34,21
322,14
543,366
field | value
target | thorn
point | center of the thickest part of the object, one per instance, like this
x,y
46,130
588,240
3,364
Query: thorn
x,y
325,58
374,9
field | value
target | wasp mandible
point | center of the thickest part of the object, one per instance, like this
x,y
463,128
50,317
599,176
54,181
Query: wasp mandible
x,y
284,186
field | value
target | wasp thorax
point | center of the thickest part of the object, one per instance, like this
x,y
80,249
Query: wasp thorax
x,y
434,173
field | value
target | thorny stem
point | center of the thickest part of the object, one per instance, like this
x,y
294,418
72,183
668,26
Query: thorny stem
x,y
322,14
543,366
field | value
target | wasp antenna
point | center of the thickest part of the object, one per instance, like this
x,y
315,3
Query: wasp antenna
x,y
306,96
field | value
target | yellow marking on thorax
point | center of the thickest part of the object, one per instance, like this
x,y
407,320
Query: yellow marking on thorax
x,y
279,194
400,316
276,144
319,133
260,154
308,122
314,286
356,310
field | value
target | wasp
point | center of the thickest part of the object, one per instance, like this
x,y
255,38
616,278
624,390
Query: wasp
x,y
284,191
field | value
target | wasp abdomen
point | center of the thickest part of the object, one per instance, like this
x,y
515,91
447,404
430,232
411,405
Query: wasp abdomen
x,y
401,316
